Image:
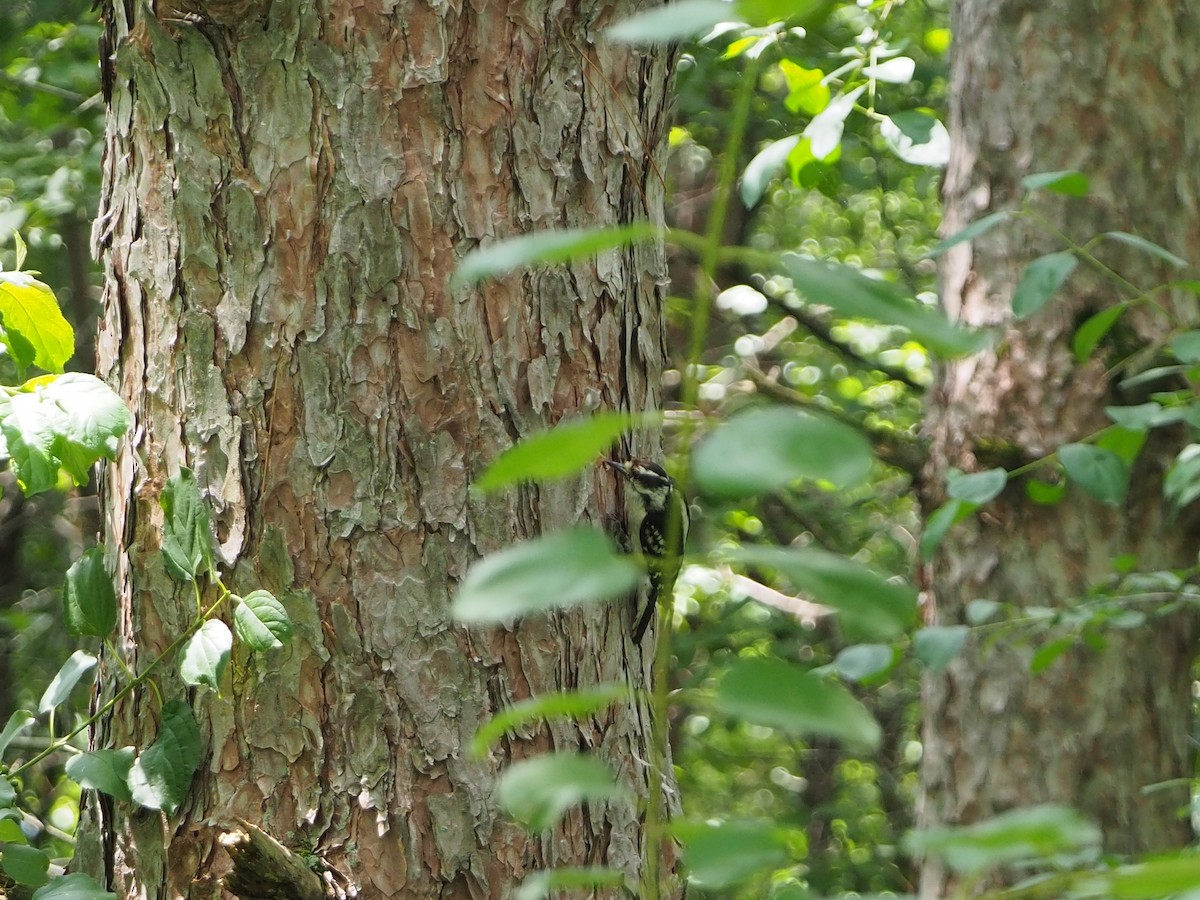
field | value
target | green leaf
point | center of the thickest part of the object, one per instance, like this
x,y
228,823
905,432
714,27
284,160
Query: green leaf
x,y
1093,330
261,622
537,791
1045,493
936,646
8,799
89,601
917,138
722,854
807,91
103,770
1144,416
767,449
777,694
578,881
546,248
17,722
1050,651
67,677
36,332
206,654
1169,876
557,570
61,421
808,13
940,522
1067,182
76,886
978,487
1124,442
1186,346
1040,281
972,231
567,704
851,293
1099,472
1149,246
982,610
862,661
824,132
27,866
869,607
1182,484
162,774
666,24
187,535
558,452
1038,832
897,70
766,163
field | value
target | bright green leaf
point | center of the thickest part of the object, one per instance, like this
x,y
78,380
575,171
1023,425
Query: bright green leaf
x,y
261,622
537,791
566,704
557,570
103,770
89,600
1126,443
578,881
17,722
1045,655
1093,330
869,606
162,773
777,694
824,132
29,311
977,487
1045,493
937,645
76,886
1150,879
1148,246
851,293
67,677
722,854
1040,281
558,452
807,91
940,522
27,866
187,534
807,13
1066,182
1038,832
206,654
1145,416
1099,472
766,163
972,231
1186,346
546,248
666,24
861,661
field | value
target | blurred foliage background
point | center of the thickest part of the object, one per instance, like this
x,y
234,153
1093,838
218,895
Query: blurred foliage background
x,y
841,813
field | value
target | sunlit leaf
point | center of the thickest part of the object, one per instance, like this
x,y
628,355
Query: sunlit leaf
x,y
807,91
1150,879
36,331
261,622
665,24
777,694
1067,182
897,70
1182,483
162,773
187,532
1040,282
766,163
557,570
825,130
1093,330
538,791
103,770
77,664
722,854
917,138
546,248
767,449
808,13
566,704
206,654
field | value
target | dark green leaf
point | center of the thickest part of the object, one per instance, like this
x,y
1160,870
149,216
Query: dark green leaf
x,y
29,311
567,704
861,661
206,654
546,248
1050,651
187,534
851,293
1099,472
61,421
261,622
774,693
1038,832
67,677
28,866
537,791
554,571
1040,281
580,881
1186,346
722,854
1149,246
766,163
1093,330
972,231
936,646
767,449
869,606
978,487
1154,374
103,770
17,722
162,774
89,601
1144,416
76,886
558,452
666,24
1070,183
939,523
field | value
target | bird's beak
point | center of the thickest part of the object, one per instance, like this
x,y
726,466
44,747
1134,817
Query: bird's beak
x,y
623,468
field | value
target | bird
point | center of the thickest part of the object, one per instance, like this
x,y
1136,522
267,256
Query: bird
x,y
657,518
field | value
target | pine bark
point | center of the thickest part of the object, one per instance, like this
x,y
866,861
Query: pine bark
x,y
287,188
1041,87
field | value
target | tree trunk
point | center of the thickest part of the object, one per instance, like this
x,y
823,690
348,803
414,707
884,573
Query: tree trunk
x,y
1040,87
287,189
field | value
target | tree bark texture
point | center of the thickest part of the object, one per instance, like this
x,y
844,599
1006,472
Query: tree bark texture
x,y
1040,87
288,187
